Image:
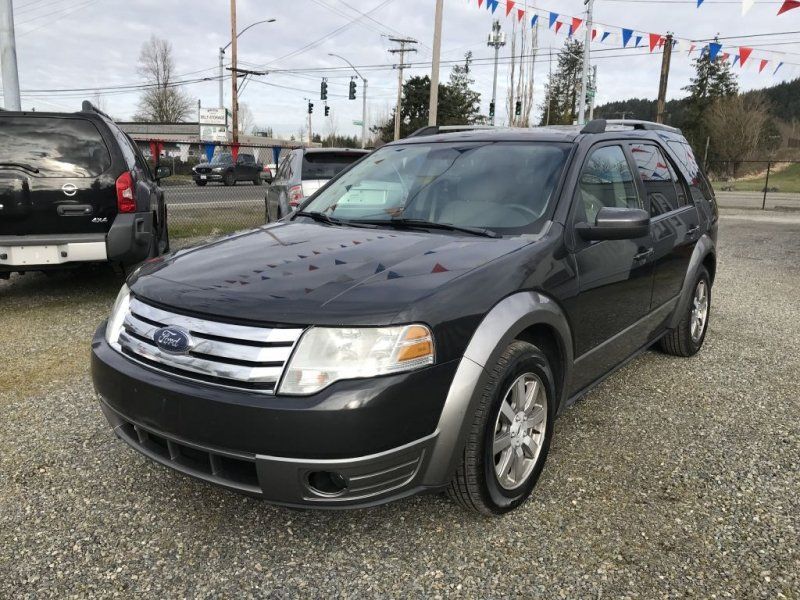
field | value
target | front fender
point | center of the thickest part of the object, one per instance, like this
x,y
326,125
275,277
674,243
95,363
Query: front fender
x,y
501,325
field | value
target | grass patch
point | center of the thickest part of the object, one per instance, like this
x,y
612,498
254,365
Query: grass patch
x,y
785,180
187,222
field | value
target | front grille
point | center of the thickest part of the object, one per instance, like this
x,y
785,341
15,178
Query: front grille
x,y
225,468
203,170
238,356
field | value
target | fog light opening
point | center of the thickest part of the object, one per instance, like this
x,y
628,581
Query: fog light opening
x,y
327,483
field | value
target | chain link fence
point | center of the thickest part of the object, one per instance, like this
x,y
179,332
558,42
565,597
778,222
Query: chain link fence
x,y
215,188
757,184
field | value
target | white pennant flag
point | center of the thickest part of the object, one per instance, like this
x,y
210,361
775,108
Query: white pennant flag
x,y
747,5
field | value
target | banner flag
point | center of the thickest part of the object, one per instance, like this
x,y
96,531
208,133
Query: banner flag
x,y
762,64
787,6
713,50
576,24
638,41
276,155
495,4
747,5
691,49
780,64
209,150
558,25
654,39
736,60
744,53
604,36
594,33
725,55
626,37
534,20
480,3
520,14
553,19
235,151
509,6
699,2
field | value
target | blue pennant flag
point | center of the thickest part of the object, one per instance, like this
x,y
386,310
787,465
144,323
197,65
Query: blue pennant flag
x,y
553,19
626,37
209,150
534,20
713,50
495,4
638,41
735,60
605,35
699,2
276,155
780,64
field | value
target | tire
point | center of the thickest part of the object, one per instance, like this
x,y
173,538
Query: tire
x,y
684,340
200,183
476,484
257,180
229,179
163,247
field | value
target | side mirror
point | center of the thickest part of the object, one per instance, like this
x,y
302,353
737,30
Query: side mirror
x,y
616,224
162,172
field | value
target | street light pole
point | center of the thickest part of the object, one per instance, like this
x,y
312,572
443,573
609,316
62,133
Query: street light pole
x,y
497,40
437,48
363,100
234,76
8,57
585,72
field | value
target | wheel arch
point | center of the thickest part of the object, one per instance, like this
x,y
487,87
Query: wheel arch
x,y
704,255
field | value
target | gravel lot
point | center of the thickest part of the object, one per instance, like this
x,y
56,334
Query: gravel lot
x,y
674,478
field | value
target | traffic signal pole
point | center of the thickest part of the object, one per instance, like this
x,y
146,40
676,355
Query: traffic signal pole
x,y
8,57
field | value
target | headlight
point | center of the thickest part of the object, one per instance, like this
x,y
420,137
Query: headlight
x,y
118,312
326,354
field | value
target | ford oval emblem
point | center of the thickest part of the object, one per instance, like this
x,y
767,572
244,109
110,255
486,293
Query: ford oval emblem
x,y
175,340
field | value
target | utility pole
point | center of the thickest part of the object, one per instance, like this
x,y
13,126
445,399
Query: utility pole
x,y
234,76
8,56
593,93
497,40
402,52
437,48
585,72
661,104
547,97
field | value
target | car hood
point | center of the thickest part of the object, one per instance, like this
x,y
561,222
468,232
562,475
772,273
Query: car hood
x,y
310,273
211,166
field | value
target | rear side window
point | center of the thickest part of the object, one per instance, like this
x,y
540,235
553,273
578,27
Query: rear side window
x,y
56,147
698,183
326,165
660,182
606,181
247,159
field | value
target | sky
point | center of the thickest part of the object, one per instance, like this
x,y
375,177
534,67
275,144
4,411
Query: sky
x,y
94,44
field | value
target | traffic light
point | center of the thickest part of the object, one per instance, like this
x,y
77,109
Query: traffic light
x,y
352,95
491,109
518,108
327,110
310,107
323,90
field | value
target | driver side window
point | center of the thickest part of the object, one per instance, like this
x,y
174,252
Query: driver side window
x,y
606,181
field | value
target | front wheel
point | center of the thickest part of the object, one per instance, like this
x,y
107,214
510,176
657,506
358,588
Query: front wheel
x,y
200,183
688,337
229,179
510,435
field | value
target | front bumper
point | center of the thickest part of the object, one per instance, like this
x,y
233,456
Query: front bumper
x,y
377,435
207,176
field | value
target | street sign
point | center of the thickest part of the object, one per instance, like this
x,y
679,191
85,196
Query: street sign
x,y
358,122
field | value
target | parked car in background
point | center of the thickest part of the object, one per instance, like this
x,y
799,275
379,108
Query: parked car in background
x,y
421,321
223,169
268,172
301,173
75,189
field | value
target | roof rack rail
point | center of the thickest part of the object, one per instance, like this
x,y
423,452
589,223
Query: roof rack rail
x,y
434,129
602,125
87,106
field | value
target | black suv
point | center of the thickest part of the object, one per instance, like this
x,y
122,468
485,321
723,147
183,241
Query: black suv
x,y
419,323
75,189
224,169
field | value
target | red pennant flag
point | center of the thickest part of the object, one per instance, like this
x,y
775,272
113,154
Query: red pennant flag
x,y
691,49
558,25
480,2
763,64
576,23
594,33
744,54
520,14
235,151
509,6
788,5
654,39
725,55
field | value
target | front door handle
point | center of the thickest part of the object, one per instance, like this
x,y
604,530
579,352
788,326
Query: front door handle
x,y
644,255
692,230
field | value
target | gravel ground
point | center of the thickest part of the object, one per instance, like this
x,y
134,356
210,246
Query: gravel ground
x,y
674,478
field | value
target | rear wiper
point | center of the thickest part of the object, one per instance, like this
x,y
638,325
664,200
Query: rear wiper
x,y
421,223
20,165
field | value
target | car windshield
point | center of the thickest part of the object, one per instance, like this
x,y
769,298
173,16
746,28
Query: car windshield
x,y
504,186
222,159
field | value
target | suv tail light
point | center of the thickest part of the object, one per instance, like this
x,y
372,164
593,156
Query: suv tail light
x,y
126,203
295,195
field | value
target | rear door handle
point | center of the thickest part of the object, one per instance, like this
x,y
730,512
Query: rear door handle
x,y
74,210
644,255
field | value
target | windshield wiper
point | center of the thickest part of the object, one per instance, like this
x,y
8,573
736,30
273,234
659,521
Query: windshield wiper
x,y
319,217
20,165
423,224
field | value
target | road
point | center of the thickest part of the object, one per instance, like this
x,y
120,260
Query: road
x,y
213,193
754,200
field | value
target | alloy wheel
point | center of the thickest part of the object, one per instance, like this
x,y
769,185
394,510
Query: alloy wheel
x,y
699,311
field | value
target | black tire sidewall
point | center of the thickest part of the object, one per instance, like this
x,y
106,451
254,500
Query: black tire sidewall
x,y
529,360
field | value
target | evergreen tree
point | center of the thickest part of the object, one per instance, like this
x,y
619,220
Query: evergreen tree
x,y
562,88
712,80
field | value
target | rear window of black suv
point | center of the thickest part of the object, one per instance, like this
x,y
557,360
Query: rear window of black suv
x,y
53,147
